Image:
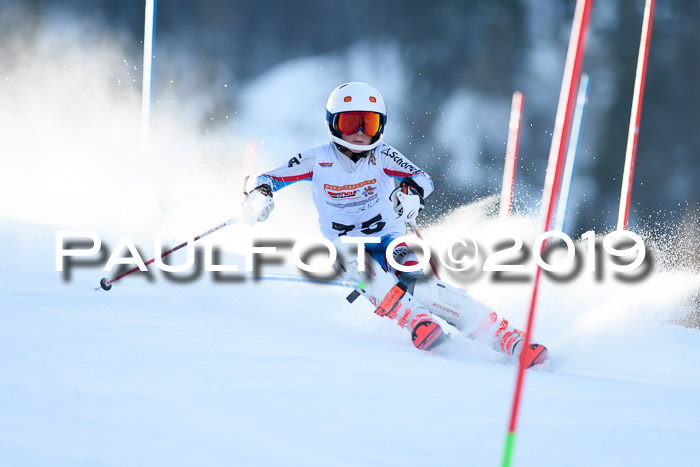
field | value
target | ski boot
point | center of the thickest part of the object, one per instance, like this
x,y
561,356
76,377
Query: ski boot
x,y
464,312
392,299
425,333
509,341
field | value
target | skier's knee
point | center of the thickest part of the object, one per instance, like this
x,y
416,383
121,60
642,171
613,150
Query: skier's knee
x,y
409,279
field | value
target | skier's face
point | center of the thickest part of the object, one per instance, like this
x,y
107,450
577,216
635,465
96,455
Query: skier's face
x,y
358,138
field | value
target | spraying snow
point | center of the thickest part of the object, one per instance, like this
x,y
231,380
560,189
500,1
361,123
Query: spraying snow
x,y
240,372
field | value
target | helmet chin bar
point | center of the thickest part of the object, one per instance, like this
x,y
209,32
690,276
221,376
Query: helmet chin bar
x,y
357,147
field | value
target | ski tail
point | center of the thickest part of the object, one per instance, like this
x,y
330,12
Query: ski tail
x,y
535,354
428,335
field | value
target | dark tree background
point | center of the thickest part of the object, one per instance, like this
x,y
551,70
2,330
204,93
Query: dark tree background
x,y
485,46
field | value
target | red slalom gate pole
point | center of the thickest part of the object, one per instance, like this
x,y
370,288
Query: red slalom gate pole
x,y
516,115
107,284
562,125
635,117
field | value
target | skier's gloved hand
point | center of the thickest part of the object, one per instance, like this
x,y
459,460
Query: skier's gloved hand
x,y
257,205
407,199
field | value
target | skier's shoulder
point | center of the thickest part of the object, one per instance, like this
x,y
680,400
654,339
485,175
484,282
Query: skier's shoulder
x,y
387,150
322,148
319,152
306,159
393,158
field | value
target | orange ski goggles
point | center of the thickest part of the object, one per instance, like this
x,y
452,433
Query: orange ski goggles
x,y
348,123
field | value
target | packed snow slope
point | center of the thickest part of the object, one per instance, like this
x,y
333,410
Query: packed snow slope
x,y
276,373
214,371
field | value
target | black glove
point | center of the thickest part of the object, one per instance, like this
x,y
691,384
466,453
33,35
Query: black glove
x,y
265,189
258,204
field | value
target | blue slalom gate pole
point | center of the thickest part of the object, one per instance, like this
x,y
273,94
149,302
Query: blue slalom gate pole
x,y
581,100
149,33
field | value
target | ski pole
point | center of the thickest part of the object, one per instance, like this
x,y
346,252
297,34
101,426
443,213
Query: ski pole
x,y
296,278
107,284
414,227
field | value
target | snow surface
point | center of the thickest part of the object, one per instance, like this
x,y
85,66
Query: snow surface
x,y
276,373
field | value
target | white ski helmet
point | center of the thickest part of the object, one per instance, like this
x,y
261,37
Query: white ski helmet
x,y
356,97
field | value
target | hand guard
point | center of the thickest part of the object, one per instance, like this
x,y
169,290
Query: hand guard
x,y
408,200
257,205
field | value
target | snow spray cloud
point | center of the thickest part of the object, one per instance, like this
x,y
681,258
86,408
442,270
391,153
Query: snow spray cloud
x,y
70,93
71,100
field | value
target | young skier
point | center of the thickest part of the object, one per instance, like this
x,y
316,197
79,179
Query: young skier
x,y
354,190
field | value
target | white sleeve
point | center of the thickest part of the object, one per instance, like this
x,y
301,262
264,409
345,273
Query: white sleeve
x,y
398,166
299,167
